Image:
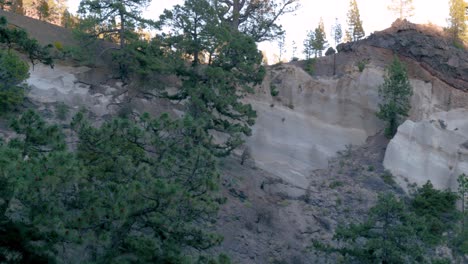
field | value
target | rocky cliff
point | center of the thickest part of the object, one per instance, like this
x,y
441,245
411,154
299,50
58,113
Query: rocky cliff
x,y
316,148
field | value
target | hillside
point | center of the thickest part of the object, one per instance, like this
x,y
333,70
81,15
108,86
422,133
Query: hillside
x,y
317,156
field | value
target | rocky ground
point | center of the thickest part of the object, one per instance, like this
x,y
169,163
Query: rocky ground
x,y
267,220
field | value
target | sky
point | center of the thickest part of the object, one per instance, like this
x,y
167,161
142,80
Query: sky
x,y
374,14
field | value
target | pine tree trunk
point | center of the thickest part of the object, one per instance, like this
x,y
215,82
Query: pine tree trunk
x,y
236,14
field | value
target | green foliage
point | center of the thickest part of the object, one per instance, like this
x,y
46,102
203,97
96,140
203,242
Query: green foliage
x,y
98,18
460,242
395,94
196,27
355,30
216,88
39,137
462,181
437,208
19,39
273,90
58,45
399,231
337,32
256,19
309,44
139,191
320,41
457,19
362,65
387,177
389,235
316,41
43,10
61,111
336,184
310,66
13,72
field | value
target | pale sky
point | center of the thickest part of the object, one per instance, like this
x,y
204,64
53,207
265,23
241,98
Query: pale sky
x,y
374,15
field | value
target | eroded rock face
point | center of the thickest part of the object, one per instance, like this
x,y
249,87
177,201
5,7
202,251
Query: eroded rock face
x,y
434,149
310,119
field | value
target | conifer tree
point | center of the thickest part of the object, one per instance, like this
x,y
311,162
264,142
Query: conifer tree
x,y
355,27
13,71
403,8
309,44
101,17
194,23
294,50
43,10
458,19
281,47
320,41
256,18
390,234
395,94
337,32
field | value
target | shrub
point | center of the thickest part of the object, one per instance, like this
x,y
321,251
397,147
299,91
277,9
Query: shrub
x,y
335,184
362,65
58,45
310,66
62,111
387,177
273,90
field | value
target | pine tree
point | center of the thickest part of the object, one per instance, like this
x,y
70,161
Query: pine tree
x,y
101,17
395,94
256,18
389,234
320,41
215,89
13,71
309,44
355,27
294,50
403,8
193,22
458,19
281,47
43,10
337,32
154,173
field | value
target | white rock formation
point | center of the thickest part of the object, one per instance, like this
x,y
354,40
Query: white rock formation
x,y
311,119
434,149
60,84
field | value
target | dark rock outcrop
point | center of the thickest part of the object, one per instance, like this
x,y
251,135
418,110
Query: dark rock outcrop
x,y
427,44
